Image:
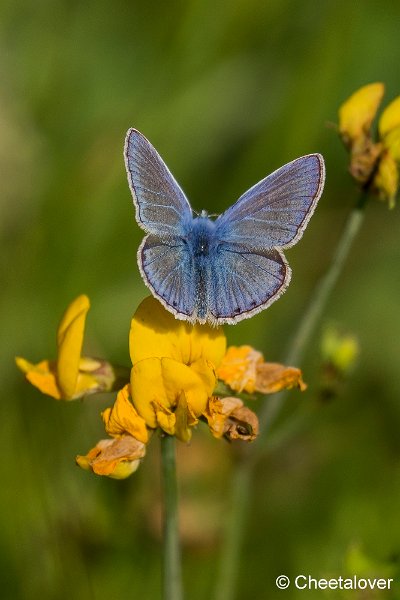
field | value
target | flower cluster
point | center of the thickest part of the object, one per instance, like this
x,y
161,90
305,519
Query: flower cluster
x,y
374,162
172,386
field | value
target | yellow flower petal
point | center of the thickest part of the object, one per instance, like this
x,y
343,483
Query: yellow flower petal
x,y
180,378
185,418
392,143
390,118
239,368
147,387
69,342
204,369
42,376
156,333
117,458
357,112
386,180
165,418
122,418
160,382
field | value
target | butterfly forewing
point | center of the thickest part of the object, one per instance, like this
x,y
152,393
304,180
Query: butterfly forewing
x,y
161,206
275,211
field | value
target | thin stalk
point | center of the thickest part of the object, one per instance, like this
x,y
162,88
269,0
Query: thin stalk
x,y
234,528
316,306
242,475
172,578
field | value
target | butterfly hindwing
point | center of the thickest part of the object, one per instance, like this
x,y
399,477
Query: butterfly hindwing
x,y
161,206
167,269
244,282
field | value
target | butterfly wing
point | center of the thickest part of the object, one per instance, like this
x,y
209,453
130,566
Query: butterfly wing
x,y
274,213
167,270
164,212
161,206
245,281
249,269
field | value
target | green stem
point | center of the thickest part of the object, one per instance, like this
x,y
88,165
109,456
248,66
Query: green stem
x,y
234,528
242,475
172,579
317,303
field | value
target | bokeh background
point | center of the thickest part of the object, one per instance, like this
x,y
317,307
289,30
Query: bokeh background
x,y
227,92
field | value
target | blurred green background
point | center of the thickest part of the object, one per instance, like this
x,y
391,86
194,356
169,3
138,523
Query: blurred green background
x,y
227,92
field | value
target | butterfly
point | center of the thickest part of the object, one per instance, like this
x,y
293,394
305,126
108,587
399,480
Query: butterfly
x,y
227,269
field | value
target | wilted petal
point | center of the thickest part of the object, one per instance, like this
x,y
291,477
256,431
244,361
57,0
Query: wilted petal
x,y
357,112
363,159
238,368
244,369
215,416
69,341
122,418
228,417
116,458
274,377
241,424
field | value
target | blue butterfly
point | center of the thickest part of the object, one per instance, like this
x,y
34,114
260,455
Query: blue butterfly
x,y
223,270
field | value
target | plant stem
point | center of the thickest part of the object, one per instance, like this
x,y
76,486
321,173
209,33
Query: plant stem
x,y
234,527
242,475
172,579
317,303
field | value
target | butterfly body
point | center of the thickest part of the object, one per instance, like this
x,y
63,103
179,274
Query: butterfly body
x,y
223,270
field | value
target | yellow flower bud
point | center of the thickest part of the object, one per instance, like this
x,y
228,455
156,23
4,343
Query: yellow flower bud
x,y
357,112
390,118
71,375
341,351
386,180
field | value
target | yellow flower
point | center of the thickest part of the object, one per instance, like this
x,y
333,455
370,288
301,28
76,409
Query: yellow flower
x,y
357,113
244,369
71,376
173,372
374,164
